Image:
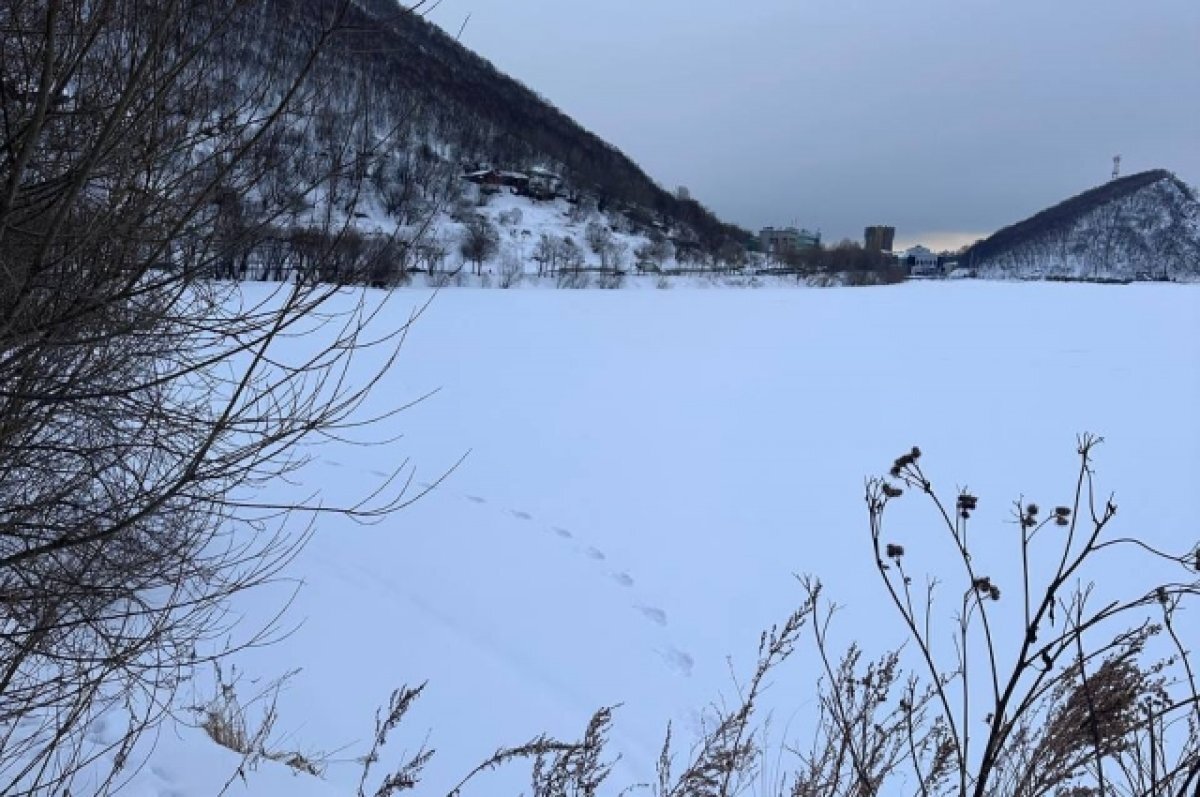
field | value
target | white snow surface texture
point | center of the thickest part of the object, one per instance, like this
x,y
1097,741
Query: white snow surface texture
x,y
647,471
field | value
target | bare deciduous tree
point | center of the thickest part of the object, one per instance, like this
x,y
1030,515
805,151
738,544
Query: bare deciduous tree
x,y
598,236
480,241
659,250
142,407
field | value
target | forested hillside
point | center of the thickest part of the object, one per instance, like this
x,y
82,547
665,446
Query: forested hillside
x,y
487,116
1144,226
414,109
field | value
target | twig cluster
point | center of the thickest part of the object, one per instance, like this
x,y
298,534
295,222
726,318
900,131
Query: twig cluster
x,y
142,406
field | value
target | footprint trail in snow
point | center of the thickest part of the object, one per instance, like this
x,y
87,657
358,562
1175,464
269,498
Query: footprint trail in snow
x,y
675,659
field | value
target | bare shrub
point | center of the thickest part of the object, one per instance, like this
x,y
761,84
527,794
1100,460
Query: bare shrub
x,y
479,242
598,236
573,279
657,250
226,719
577,769
569,255
823,280
511,268
1082,699
559,768
1094,700
1092,695
142,406
724,760
613,256
881,275
610,280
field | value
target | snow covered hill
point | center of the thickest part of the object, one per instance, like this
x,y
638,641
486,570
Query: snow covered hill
x,y
1142,227
646,472
400,121
506,240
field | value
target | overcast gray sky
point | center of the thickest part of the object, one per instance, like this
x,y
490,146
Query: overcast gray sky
x,y
946,118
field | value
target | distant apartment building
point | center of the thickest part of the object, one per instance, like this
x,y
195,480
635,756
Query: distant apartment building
x,y
787,239
879,238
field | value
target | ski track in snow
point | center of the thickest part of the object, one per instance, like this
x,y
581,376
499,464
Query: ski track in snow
x,y
675,659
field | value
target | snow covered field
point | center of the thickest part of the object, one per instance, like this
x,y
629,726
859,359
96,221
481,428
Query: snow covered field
x,y
646,472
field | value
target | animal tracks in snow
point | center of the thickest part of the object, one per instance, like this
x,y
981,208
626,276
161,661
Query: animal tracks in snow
x,y
653,614
166,781
675,659
99,731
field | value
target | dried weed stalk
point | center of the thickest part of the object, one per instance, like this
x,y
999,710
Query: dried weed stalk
x,y
1090,698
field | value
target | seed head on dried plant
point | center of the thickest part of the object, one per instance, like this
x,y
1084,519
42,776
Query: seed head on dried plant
x,y
1084,698
1093,695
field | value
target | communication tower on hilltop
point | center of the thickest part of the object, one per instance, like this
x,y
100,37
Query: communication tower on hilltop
x,y
1116,166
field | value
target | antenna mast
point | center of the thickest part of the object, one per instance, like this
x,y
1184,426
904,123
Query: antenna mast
x,y
1116,166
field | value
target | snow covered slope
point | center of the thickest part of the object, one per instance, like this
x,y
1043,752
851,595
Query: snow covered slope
x,y
398,122
646,472
1145,226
